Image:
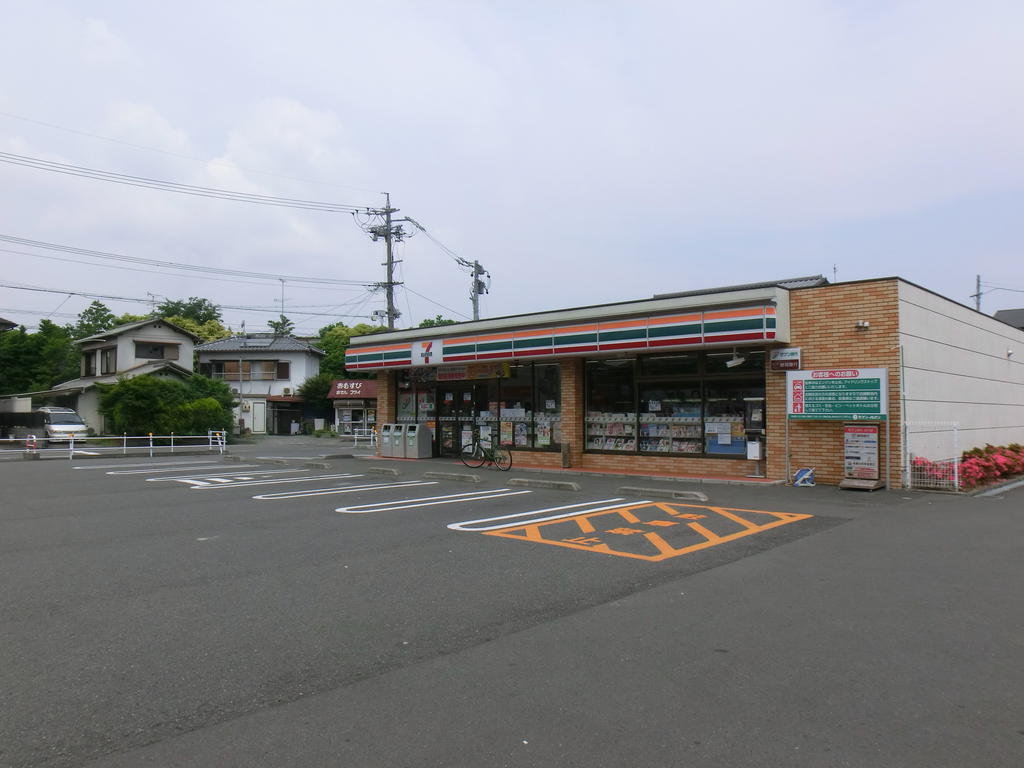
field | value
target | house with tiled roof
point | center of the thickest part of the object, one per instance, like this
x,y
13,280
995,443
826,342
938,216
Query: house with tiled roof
x,y
264,371
150,347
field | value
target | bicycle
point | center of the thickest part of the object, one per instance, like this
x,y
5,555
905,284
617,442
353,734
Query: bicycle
x,y
476,454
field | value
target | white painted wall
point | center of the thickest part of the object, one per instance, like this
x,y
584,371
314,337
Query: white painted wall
x,y
303,365
956,369
157,332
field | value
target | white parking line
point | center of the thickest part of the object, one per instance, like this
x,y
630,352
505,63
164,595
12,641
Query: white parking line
x,y
209,474
150,464
466,525
343,489
429,501
210,487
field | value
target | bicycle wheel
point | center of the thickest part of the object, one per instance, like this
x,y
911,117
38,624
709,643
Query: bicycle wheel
x,y
473,455
503,459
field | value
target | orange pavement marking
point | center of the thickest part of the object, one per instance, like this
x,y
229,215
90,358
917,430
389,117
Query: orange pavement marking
x,y
610,531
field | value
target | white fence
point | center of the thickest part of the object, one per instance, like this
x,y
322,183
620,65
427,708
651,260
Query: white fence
x,y
932,455
33,446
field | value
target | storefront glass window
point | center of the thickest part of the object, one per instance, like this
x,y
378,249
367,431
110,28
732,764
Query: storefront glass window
x,y
681,404
522,410
725,411
547,399
611,405
517,407
670,419
670,365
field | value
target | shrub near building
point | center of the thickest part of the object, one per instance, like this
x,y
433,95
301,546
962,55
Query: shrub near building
x,y
163,406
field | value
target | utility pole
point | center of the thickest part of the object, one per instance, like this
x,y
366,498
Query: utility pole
x,y
977,293
479,286
392,233
389,285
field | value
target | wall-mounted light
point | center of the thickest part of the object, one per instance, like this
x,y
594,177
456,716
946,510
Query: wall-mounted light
x,y
1009,354
863,325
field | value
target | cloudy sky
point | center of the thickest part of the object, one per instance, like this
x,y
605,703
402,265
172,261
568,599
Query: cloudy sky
x,y
583,152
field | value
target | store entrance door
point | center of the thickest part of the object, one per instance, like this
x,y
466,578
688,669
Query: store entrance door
x,y
459,405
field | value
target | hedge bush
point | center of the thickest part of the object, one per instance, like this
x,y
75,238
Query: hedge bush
x,y
163,406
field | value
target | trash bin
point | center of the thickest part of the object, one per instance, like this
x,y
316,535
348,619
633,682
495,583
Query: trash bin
x,y
419,442
387,439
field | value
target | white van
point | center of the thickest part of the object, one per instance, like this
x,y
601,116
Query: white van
x,y
49,424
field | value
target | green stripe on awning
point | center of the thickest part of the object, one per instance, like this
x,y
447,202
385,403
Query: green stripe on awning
x,y
397,356
537,341
719,326
626,335
495,346
459,349
657,331
576,338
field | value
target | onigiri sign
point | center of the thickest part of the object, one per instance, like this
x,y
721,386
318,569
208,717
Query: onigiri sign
x,y
838,394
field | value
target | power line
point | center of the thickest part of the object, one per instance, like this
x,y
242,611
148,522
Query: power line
x,y
223,163
171,186
476,270
178,265
442,306
135,300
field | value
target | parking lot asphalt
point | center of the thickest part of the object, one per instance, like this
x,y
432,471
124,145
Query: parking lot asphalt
x,y
286,608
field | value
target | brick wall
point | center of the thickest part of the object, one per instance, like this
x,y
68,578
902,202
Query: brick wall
x,y
386,406
571,372
823,324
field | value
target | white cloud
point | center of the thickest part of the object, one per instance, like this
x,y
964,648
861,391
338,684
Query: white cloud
x,y
101,47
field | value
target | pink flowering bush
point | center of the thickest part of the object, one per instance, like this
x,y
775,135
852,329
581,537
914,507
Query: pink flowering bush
x,y
980,466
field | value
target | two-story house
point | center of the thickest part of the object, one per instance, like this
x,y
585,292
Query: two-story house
x,y
152,347
264,371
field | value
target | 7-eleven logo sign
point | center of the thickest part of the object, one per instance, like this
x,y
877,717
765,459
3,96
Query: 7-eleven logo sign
x,y
426,352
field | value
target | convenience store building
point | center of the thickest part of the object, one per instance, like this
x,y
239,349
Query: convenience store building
x,y
745,380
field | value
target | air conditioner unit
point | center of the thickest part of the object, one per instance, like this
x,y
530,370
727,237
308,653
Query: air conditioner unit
x,y
234,390
287,390
246,407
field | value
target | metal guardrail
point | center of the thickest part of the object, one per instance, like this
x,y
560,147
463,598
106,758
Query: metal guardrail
x,y
31,445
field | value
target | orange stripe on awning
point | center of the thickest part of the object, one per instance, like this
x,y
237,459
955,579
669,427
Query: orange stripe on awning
x,y
390,348
573,329
623,324
473,339
694,318
722,314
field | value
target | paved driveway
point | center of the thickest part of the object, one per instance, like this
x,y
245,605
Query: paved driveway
x,y
189,611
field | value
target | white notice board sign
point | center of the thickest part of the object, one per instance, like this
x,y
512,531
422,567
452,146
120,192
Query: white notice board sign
x,y
860,451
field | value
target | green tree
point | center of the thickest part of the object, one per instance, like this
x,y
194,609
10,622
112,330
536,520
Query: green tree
x,y
334,339
315,390
433,322
95,318
31,362
194,308
127,318
281,327
211,330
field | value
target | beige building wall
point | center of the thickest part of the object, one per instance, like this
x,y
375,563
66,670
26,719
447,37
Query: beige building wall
x,y
960,367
